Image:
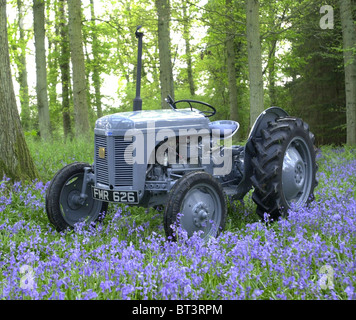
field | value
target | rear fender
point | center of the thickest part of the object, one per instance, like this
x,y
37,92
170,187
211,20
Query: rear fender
x,y
270,114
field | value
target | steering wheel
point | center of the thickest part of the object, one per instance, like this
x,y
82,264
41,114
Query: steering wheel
x,y
206,113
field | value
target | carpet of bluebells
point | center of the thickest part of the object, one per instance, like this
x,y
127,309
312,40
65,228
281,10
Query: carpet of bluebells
x,y
310,255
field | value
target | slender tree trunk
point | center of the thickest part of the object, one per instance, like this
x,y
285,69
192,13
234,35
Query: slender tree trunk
x,y
65,70
52,57
88,62
349,41
52,75
81,114
41,72
271,74
164,46
272,45
232,84
121,63
24,95
188,53
96,73
254,59
231,67
15,159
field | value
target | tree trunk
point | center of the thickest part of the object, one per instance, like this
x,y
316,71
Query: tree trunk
x,y
164,47
349,41
188,53
81,114
254,59
15,159
270,68
231,68
65,70
24,95
52,56
271,73
41,72
96,73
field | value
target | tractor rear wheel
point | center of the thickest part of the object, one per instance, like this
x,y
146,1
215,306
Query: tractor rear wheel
x,y
284,167
201,201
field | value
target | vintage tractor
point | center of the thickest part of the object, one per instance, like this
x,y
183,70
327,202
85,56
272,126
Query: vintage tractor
x,y
178,159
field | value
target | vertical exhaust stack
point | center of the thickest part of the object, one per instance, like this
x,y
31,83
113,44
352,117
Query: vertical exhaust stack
x,y
137,102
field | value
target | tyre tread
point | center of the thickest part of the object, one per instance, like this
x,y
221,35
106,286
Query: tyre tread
x,y
267,164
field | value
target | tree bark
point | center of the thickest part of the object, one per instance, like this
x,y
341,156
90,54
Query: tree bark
x,y
24,93
349,42
96,73
81,114
188,52
65,70
271,73
231,67
254,59
52,57
15,159
164,47
41,72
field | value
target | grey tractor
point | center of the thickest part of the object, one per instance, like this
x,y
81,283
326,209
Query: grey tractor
x,y
178,159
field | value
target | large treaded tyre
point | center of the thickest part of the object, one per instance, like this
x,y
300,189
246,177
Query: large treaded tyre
x,y
201,201
62,207
284,168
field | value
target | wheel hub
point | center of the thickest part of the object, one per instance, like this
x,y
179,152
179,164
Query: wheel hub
x,y
201,210
293,173
72,206
299,173
74,200
296,172
200,214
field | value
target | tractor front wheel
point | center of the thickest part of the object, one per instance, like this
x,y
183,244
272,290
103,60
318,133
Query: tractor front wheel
x,y
63,204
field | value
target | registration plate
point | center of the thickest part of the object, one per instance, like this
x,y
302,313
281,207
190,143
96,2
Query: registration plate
x,y
115,196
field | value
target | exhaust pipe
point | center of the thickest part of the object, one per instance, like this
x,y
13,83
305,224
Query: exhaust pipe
x,y
137,102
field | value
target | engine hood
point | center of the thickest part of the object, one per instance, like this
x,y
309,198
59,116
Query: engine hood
x,y
119,123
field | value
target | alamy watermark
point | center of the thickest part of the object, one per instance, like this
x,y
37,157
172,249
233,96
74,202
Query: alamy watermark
x,y
326,280
327,20
187,146
27,281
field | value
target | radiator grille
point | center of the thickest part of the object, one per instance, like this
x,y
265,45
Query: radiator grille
x,y
123,162
120,157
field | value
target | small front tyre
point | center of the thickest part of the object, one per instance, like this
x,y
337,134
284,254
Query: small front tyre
x,y
200,200
63,205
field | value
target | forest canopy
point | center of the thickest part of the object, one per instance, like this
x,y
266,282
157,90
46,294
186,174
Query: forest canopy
x,y
84,52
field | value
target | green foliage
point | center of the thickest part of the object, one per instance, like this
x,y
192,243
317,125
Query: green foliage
x,y
315,66
51,156
302,63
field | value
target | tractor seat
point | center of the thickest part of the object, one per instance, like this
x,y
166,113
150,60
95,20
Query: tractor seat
x,y
227,128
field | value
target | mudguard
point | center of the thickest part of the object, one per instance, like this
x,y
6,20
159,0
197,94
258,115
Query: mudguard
x,y
261,122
